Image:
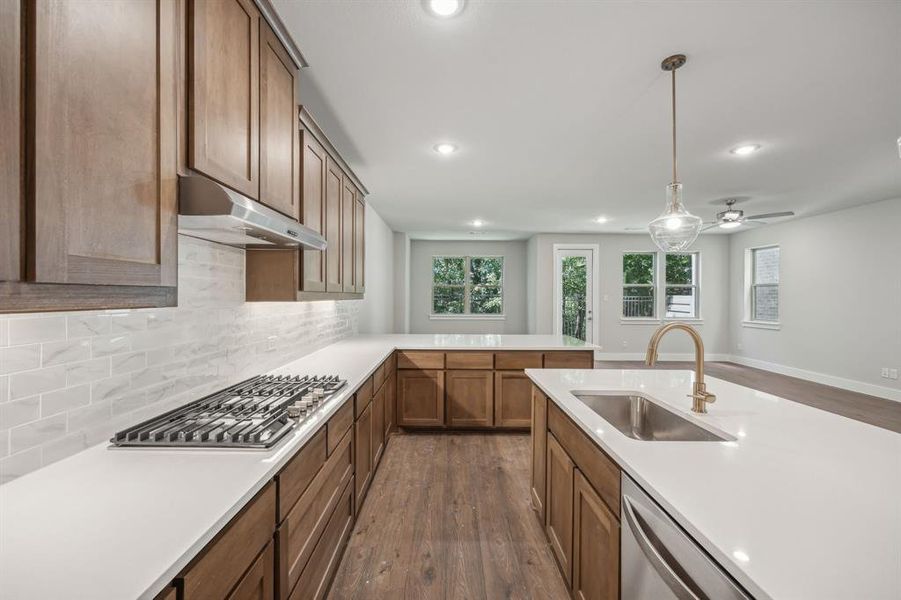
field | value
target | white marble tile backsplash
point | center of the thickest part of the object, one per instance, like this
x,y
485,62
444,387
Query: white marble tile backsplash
x,y
71,380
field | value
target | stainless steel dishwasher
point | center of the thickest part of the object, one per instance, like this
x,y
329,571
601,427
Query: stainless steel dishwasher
x,y
660,561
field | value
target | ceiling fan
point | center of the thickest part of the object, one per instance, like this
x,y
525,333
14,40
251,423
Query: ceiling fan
x,y
735,217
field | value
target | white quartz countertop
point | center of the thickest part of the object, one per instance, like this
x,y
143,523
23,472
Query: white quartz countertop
x,y
802,504
120,523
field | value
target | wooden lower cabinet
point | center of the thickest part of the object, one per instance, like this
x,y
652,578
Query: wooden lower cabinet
x,y
595,557
378,426
512,400
470,398
420,398
390,404
539,451
559,505
363,454
569,359
259,581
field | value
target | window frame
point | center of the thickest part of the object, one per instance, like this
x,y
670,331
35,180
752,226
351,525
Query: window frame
x,y
750,317
655,275
696,285
468,286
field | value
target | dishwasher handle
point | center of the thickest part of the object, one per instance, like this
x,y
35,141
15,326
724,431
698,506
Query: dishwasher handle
x,y
675,583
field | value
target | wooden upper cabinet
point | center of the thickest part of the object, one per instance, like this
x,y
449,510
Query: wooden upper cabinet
x,y
334,184
279,134
359,244
314,168
104,119
224,92
348,212
11,134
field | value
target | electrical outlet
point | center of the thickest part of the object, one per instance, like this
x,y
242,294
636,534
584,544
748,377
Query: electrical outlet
x,y
884,373
893,373
270,342
625,344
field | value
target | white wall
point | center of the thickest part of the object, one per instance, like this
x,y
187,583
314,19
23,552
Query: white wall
x,y
377,310
401,283
840,298
620,339
514,253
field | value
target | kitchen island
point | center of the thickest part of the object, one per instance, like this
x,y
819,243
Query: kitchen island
x,y
122,523
793,503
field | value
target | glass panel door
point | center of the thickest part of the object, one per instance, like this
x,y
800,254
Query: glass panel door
x,y
574,283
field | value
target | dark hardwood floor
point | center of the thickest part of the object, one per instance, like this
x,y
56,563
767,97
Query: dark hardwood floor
x,y
880,412
448,516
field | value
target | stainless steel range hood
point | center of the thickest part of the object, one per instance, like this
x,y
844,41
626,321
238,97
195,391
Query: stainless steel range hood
x,y
210,211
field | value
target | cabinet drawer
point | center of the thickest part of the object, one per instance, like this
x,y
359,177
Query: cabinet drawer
x,y
315,579
571,359
378,378
517,360
339,424
230,554
259,581
302,527
470,360
598,468
297,474
363,397
420,360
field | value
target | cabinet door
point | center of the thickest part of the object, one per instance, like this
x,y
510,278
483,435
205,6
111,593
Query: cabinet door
x,y
378,426
259,581
334,180
470,398
512,400
420,398
104,177
362,455
359,245
313,210
279,135
390,404
10,133
539,450
559,505
595,545
348,204
224,93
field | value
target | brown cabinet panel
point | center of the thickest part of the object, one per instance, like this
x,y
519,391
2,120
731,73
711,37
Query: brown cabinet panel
x,y
470,398
559,505
362,455
227,557
271,274
378,426
363,396
313,210
597,467
517,360
348,212
469,360
512,400
595,545
11,134
224,93
298,534
569,359
316,577
390,404
339,424
170,593
334,180
294,478
259,581
420,398
279,135
539,450
411,359
359,245
378,377
104,147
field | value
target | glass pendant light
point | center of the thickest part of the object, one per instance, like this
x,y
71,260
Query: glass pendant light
x,y
675,229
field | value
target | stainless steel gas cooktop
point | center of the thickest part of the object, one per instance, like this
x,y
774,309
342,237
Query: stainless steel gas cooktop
x,y
256,413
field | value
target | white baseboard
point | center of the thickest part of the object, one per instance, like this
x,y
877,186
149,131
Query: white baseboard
x,y
839,382
662,357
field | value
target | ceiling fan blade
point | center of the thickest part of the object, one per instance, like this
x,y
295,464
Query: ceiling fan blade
x,y
710,227
774,215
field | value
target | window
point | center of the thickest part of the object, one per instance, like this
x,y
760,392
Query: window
x,y
764,284
638,285
682,292
467,285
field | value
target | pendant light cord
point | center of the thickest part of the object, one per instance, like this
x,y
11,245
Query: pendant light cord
x,y
675,177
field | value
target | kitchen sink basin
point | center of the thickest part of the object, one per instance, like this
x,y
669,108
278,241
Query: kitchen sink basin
x,y
642,419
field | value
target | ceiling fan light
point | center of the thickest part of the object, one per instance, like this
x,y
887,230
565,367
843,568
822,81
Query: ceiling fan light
x,y
675,229
730,224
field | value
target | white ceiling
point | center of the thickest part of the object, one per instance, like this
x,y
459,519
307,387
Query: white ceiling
x,y
561,111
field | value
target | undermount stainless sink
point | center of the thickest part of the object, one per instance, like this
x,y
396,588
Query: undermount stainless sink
x,y
641,419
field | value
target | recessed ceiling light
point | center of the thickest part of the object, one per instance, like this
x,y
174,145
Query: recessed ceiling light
x,y
745,150
730,224
478,223
445,148
444,8
601,220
